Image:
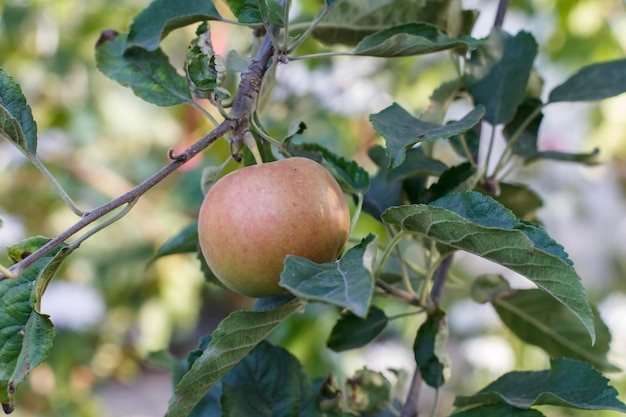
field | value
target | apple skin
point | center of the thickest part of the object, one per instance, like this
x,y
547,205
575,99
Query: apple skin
x,y
252,218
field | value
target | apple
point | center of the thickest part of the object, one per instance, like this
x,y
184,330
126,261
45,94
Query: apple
x,y
252,218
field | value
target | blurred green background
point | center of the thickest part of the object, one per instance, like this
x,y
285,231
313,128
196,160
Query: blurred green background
x,y
111,307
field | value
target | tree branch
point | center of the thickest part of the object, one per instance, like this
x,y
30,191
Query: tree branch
x,y
398,293
410,405
243,106
502,7
439,280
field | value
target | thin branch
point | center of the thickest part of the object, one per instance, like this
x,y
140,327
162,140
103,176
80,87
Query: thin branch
x,y
502,7
311,27
58,187
242,108
439,279
398,293
131,195
410,405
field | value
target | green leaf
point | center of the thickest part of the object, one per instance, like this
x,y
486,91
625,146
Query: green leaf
x,y
257,11
457,178
569,383
498,410
525,144
352,20
26,247
57,257
467,144
148,73
206,71
352,177
161,17
441,99
25,335
210,175
590,158
234,337
401,130
593,82
36,346
518,198
540,320
476,223
351,332
410,39
424,348
416,163
347,282
381,195
264,147
185,241
16,119
268,382
497,73
209,276
489,287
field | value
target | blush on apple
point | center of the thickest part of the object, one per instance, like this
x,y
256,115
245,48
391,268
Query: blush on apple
x,y
254,217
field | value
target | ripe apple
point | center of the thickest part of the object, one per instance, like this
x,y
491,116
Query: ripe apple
x,y
252,218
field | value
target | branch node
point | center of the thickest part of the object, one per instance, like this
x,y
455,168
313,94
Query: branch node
x,y
177,157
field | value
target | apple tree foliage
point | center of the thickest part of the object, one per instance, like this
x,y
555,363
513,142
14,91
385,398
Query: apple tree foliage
x,y
431,209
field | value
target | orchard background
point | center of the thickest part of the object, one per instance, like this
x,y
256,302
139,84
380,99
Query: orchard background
x,y
117,309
